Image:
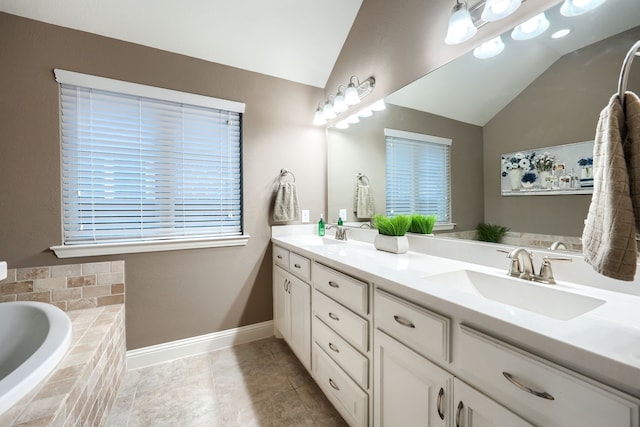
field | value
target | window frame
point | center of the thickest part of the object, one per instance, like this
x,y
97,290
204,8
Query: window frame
x,y
137,245
433,140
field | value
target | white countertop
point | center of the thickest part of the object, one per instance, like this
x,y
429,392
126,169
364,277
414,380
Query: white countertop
x,y
603,343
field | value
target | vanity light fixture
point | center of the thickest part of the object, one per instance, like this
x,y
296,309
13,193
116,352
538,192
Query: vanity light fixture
x,y
578,7
343,100
561,33
531,28
342,124
498,9
489,49
365,112
379,105
353,119
327,111
318,118
339,104
461,27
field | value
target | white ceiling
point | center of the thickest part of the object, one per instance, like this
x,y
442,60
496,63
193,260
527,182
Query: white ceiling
x,y
475,90
297,40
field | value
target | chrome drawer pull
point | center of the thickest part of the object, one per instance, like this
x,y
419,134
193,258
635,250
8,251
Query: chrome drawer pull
x,y
297,265
541,394
404,322
279,256
332,384
459,413
333,347
333,284
439,403
333,316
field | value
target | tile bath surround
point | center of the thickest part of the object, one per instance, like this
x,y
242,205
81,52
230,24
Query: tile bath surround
x,y
83,387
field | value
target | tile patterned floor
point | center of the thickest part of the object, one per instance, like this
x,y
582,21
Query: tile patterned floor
x,y
257,384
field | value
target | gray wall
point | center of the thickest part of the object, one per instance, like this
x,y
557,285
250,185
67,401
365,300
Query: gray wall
x,y
170,295
361,148
560,107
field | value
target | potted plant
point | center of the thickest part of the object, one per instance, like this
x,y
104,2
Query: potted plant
x,y
422,224
392,231
491,232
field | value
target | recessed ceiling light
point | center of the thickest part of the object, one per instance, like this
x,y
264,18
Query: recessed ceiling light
x,y
560,33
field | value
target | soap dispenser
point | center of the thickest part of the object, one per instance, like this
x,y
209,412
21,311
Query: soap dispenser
x,y
321,226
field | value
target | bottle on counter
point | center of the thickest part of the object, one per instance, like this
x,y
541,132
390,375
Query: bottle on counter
x,y
339,220
321,226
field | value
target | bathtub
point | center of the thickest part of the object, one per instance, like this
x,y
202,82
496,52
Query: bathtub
x,y
34,337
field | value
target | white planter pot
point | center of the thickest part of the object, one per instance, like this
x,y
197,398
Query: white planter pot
x,y
393,244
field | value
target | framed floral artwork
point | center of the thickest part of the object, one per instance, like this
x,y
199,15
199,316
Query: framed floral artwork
x,y
560,169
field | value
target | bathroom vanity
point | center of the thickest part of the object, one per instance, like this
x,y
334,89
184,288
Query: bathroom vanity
x,y
418,339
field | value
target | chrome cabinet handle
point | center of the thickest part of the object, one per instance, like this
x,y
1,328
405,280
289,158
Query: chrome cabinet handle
x,y
459,413
333,284
541,394
333,316
333,347
404,322
285,284
297,265
332,384
439,403
279,256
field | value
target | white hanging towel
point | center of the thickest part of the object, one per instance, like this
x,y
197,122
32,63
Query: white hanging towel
x,y
286,207
363,204
609,237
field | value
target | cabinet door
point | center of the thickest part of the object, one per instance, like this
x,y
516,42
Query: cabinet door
x,y
300,310
408,389
281,302
474,409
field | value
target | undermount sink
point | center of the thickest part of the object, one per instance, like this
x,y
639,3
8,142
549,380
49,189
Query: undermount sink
x,y
530,296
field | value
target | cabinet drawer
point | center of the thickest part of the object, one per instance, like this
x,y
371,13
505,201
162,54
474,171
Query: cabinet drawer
x,y
344,394
346,290
346,323
545,393
281,256
422,330
350,360
300,266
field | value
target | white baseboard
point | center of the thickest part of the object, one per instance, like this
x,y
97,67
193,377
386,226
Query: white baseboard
x,y
165,352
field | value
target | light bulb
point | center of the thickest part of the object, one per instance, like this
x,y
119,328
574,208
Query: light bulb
x,y
498,9
351,96
578,7
378,105
461,26
318,117
531,28
327,112
489,49
339,104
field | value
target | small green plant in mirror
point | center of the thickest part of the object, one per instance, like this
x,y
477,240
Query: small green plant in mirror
x,y
491,232
422,224
397,225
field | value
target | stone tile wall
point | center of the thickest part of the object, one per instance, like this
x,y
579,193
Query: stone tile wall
x,y
70,287
530,240
83,388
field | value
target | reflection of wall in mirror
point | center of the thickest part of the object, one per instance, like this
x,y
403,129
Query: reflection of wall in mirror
x,y
361,149
567,100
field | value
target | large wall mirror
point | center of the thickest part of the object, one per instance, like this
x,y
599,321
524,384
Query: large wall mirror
x,y
537,93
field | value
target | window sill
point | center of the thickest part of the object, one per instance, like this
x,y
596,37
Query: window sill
x,y
442,227
73,251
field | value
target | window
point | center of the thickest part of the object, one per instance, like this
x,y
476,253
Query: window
x,y
144,166
418,174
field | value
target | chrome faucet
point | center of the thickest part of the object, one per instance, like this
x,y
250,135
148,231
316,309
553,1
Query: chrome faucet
x,y
341,232
525,270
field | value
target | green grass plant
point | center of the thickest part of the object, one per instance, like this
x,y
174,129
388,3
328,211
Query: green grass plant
x,y
397,225
491,232
422,224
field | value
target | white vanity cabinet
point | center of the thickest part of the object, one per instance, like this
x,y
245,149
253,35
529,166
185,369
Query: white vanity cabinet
x,y
341,352
292,302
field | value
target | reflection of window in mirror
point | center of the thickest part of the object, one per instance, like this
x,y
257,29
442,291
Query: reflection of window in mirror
x,y
418,174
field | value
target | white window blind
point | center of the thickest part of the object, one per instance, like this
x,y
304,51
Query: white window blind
x,y
138,168
418,174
